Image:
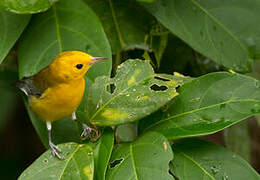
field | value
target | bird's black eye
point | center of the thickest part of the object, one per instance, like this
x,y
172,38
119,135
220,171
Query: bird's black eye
x,y
79,66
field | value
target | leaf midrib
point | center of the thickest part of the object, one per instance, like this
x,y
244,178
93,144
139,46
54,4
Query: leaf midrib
x,y
120,38
57,27
199,109
68,160
117,95
197,164
220,24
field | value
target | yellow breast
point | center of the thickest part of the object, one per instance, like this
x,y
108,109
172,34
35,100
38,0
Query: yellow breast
x,y
58,101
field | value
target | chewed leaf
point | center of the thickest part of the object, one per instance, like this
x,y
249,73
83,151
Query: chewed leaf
x,y
78,163
136,91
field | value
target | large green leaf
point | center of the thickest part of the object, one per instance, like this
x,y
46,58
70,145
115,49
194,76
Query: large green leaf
x,y
12,25
68,29
78,163
214,28
137,92
125,22
236,134
26,6
146,158
207,104
102,152
196,159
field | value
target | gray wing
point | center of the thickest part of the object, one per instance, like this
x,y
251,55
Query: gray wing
x,y
26,85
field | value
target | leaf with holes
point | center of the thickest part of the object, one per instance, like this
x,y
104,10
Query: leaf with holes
x,y
70,26
12,26
206,105
214,28
135,92
125,23
146,158
204,160
26,6
78,163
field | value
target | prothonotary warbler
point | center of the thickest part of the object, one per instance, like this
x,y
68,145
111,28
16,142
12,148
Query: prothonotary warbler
x,y
56,91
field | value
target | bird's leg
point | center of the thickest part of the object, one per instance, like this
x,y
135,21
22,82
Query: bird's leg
x,y
88,132
53,147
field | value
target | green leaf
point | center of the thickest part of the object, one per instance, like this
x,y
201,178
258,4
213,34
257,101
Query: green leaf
x,y
146,1
125,23
68,29
12,26
206,105
197,159
146,158
137,92
78,163
214,28
126,132
26,6
236,134
102,152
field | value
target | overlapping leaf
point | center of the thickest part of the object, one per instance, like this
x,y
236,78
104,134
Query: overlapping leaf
x,y
207,104
125,23
66,26
27,6
236,134
102,152
214,28
136,92
146,158
196,159
12,26
78,163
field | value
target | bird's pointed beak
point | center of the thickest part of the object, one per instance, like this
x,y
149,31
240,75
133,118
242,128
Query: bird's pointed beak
x,y
96,59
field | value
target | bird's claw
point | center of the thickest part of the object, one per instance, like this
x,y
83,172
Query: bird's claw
x,y
91,133
55,150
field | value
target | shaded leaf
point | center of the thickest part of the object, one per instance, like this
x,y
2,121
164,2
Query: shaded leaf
x,y
136,92
12,26
146,158
78,163
237,139
204,160
206,105
125,23
8,98
68,29
102,152
27,6
213,28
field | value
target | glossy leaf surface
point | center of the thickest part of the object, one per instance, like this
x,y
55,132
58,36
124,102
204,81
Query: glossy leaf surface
x,y
12,26
196,159
27,6
214,28
78,163
136,92
146,158
206,105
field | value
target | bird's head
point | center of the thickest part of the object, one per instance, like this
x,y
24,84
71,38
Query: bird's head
x,y
72,65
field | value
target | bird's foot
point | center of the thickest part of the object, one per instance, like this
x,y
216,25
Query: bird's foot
x,y
91,133
55,150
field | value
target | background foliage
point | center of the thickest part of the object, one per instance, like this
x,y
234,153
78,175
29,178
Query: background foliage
x,y
142,107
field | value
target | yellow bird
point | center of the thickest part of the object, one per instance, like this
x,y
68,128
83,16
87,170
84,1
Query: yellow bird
x,y
56,91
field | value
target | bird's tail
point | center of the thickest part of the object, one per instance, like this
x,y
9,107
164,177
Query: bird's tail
x,y
27,87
